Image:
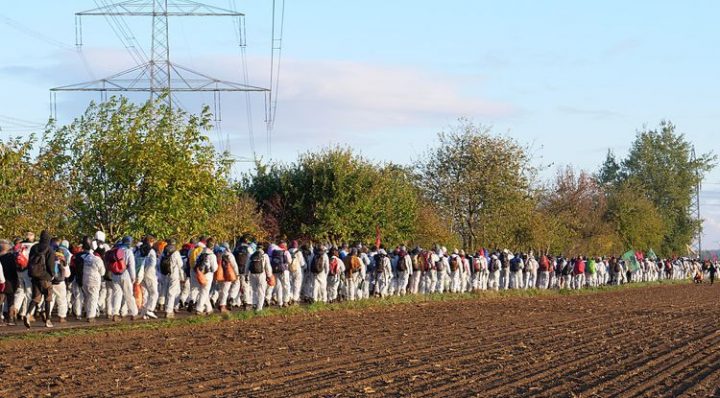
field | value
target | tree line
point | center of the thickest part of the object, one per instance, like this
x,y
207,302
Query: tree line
x,y
131,169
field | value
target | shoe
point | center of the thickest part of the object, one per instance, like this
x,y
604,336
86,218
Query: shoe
x,y
28,320
169,315
63,320
223,309
48,324
133,317
91,320
78,318
116,318
151,315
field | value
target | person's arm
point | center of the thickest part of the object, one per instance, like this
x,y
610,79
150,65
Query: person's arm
x,y
2,276
213,263
130,263
266,265
100,264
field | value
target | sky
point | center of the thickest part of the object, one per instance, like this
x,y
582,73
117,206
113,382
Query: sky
x,y
570,79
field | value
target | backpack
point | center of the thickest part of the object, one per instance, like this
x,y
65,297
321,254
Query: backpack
x,y
494,265
36,264
228,270
515,264
115,260
418,263
477,265
544,264
379,263
77,266
440,265
334,265
353,264
294,265
22,257
568,269
616,267
317,264
256,263
454,263
402,263
241,256
166,263
202,263
278,262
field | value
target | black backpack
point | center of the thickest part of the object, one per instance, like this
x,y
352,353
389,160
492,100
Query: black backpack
x,y
36,264
241,256
76,269
166,262
256,263
402,263
278,262
317,264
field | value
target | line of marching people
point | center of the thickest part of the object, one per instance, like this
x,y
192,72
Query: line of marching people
x,y
143,279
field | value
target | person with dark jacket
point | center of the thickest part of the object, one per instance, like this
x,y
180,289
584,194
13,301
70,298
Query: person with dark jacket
x,y
40,265
8,279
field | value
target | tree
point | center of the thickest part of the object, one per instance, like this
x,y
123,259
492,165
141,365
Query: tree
x,y
337,196
610,172
638,223
481,184
30,198
660,164
132,170
577,206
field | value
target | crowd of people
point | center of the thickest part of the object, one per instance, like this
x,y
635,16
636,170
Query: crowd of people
x,y
92,278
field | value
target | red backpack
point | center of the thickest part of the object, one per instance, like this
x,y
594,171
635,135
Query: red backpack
x,y
334,264
115,260
22,257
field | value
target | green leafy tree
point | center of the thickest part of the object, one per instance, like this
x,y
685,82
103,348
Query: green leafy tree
x,y
31,199
661,165
136,169
335,195
480,183
638,223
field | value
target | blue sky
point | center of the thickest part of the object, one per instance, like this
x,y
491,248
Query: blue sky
x,y
573,79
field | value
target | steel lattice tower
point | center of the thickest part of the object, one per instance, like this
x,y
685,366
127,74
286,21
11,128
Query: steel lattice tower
x,y
159,74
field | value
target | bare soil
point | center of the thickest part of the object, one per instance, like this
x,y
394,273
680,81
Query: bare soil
x,y
658,341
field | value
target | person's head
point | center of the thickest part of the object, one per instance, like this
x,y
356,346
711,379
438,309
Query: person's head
x,y
210,242
127,241
100,236
86,243
5,245
30,236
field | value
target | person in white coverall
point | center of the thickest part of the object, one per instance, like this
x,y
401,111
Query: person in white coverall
x,y
202,305
494,273
173,280
383,269
296,267
336,268
122,287
93,272
530,272
280,260
320,267
150,279
353,277
404,270
59,287
257,273
442,270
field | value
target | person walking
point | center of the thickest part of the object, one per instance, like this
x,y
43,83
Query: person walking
x,y
41,263
121,263
353,268
23,290
171,266
206,264
404,270
295,268
257,272
8,280
150,278
92,277
61,271
336,268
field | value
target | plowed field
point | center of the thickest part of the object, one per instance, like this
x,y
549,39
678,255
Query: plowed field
x,y
658,341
